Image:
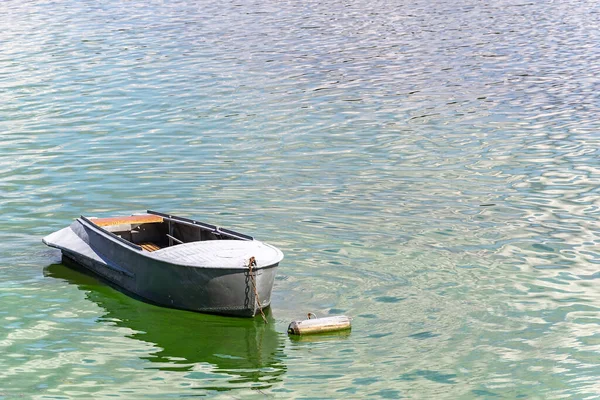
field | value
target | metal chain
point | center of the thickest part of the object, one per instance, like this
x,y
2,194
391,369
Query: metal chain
x,y
252,263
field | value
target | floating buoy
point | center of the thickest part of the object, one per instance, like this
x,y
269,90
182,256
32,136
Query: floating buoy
x,y
314,325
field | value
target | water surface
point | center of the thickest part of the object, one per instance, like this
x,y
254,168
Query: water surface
x,y
429,168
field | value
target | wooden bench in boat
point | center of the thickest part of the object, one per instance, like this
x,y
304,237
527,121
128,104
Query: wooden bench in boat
x,y
149,246
132,219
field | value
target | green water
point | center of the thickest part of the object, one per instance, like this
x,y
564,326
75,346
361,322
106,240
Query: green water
x,y
430,169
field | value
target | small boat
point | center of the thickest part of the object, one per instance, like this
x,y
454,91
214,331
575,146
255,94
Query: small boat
x,y
174,262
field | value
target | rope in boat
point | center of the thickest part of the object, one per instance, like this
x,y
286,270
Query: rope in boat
x,y
252,263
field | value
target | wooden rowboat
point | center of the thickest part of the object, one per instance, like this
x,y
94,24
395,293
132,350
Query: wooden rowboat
x,y
174,261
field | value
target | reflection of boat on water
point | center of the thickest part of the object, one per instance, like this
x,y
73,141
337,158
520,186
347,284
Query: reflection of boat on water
x,y
247,349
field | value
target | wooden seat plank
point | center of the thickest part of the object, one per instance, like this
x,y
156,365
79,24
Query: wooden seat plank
x,y
149,246
132,219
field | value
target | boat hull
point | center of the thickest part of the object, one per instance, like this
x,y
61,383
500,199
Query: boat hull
x,y
228,291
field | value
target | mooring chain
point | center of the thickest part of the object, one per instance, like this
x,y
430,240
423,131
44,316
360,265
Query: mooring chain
x,y
252,263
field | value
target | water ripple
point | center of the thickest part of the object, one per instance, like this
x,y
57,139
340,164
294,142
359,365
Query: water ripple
x,y
429,168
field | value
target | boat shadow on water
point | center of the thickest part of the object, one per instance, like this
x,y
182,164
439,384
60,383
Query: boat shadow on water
x,y
246,349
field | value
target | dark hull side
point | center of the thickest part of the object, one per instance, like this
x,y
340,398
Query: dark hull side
x,y
208,290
